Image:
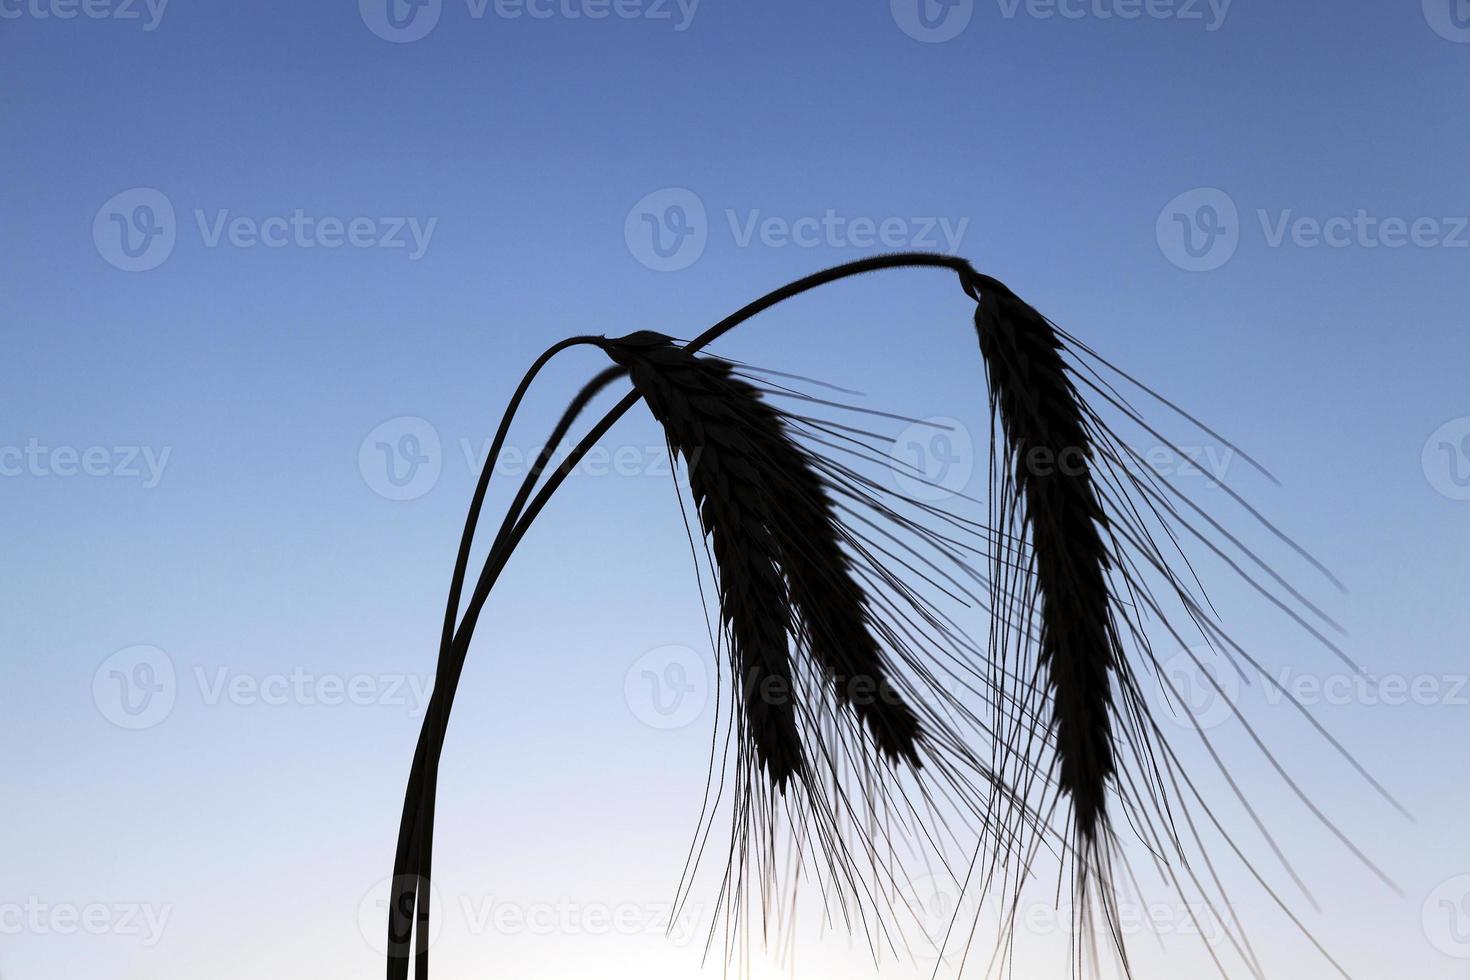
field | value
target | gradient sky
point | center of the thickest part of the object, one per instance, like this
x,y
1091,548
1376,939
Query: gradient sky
x,y
1261,208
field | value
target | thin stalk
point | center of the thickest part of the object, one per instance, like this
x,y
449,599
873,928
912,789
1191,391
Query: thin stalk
x,y
398,966
424,819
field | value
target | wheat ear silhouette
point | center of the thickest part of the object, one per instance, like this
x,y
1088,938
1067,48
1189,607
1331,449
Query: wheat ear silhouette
x,y
853,733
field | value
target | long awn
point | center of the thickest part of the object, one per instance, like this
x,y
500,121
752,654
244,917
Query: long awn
x,y
853,706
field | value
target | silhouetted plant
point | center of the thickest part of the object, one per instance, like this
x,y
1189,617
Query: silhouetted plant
x,y
854,732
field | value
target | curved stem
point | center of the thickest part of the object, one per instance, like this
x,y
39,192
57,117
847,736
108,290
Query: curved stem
x,y
406,852
462,560
423,847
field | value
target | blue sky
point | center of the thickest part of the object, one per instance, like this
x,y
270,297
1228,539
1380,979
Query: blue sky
x,y
338,236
